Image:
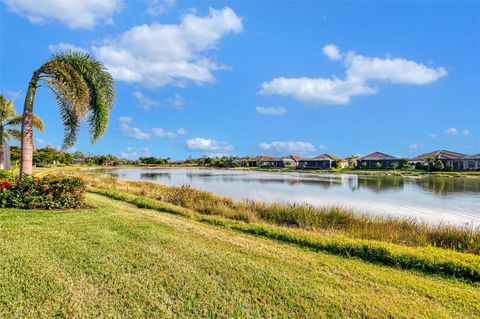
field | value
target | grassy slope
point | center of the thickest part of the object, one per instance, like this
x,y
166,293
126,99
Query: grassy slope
x,y
120,261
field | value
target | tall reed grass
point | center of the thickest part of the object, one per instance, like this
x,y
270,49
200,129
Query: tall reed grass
x,y
335,220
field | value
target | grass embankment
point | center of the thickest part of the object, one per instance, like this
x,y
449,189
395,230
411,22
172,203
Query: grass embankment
x,y
428,260
326,220
122,261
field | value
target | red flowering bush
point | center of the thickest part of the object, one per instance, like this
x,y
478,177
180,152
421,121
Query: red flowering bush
x,y
5,184
50,192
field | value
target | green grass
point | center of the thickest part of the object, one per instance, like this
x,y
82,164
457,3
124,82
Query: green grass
x,y
428,260
332,220
121,261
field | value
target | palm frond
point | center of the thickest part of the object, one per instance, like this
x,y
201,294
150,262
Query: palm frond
x,y
13,133
38,123
72,95
6,108
17,120
101,89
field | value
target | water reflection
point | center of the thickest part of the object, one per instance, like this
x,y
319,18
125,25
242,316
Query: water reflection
x,y
151,176
436,185
449,185
433,198
379,183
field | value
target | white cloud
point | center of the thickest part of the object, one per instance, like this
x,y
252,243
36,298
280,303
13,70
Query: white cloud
x,y
41,141
466,132
361,73
132,132
159,7
133,153
432,135
322,147
140,134
271,110
75,13
288,147
160,132
332,52
451,131
317,91
65,47
208,145
157,55
393,70
144,102
175,102
413,146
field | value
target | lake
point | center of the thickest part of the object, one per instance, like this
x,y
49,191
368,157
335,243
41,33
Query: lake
x,y
432,199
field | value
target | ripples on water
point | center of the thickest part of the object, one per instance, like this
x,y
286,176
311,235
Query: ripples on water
x,y
435,199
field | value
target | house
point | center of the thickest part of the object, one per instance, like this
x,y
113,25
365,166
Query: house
x,y
273,161
448,158
265,161
175,162
252,161
270,161
385,160
468,162
291,160
324,161
78,161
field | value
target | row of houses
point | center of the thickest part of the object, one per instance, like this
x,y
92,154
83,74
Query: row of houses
x,y
453,160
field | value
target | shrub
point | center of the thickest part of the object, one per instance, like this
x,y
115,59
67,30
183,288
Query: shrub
x,y
439,165
49,192
5,184
6,174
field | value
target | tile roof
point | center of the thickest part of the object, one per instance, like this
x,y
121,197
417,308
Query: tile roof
x,y
475,156
327,156
262,158
438,154
378,156
295,158
268,158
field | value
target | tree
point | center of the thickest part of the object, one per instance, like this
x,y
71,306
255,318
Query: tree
x,y
394,165
353,160
15,154
439,165
46,155
378,165
407,166
337,163
363,165
81,86
8,120
429,161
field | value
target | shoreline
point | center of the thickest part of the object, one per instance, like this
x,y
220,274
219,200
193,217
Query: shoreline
x,y
400,173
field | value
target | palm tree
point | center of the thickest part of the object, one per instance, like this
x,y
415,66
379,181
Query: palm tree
x,y
430,161
81,85
9,118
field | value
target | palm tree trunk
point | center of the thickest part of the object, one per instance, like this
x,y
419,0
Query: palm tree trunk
x,y
2,153
27,127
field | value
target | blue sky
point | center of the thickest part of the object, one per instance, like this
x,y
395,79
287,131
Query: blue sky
x,y
255,77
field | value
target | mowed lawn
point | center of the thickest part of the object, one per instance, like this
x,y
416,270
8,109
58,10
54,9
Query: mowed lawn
x,y
118,261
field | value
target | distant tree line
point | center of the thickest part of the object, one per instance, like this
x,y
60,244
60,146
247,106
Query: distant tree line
x,y
48,156
152,160
220,162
